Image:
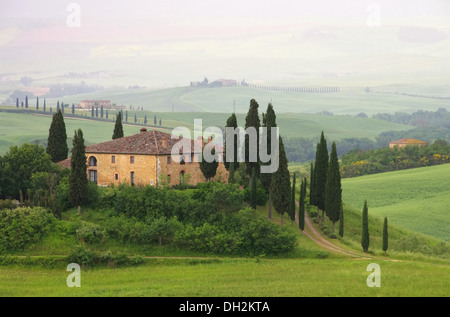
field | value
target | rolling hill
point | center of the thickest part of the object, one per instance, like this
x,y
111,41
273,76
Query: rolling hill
x,y
416,199
18,128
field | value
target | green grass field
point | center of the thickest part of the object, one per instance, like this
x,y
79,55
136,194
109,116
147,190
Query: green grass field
x,y
352,99
18,128
234,278
416,199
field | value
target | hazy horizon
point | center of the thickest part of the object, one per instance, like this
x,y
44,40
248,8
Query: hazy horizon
x,y
164,44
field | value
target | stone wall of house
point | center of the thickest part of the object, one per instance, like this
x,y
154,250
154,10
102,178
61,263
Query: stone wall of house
x,y
119,171
148,170
189,172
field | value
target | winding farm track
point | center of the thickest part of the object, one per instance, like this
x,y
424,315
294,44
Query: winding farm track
x,y
311,232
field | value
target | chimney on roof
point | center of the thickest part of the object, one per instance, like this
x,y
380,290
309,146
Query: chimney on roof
x,y
200,141
164,141
143,130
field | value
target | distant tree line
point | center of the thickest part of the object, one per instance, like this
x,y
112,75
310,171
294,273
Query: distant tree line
x,y
357,162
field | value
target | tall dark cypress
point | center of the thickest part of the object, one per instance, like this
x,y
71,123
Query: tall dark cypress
x,y
44,105
252,120
301,208
385,235
341,221
118,129
365,228
320,171
269,121
17,102
57,139
26,102
78,182
232,123
292,209
333,189
253,189
281,183
311,185
37,103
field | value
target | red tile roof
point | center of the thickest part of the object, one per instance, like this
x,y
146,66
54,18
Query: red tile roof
x,y
408,141
151,142
65,163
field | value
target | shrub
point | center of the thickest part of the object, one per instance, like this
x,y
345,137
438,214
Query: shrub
x,y
82,256
90,233
8,204
20,226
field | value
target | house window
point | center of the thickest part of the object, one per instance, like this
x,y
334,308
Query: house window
x,y
92,161
168,160
132,178
116,177
93,176
151,182
132,159
113,159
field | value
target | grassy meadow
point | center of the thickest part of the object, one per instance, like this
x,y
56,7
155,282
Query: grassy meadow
x,y
416,199
234,278
18,128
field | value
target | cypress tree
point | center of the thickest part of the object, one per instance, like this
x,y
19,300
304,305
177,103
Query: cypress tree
x,y
78,182
320,171
281,183
269,121
126,115
209,169
17,102
232,123
301,209
135,118
57,139
292,209
57,106
92,112
341,221
37,103
333,188
311,185
96,111
252,120
101,111
231,174
44,105
73,108
154,120
365,228
145,119
159,122
385,235
26,102
118,129
253,189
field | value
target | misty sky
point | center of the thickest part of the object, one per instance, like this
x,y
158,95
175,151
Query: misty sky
x,y
133,9
160,36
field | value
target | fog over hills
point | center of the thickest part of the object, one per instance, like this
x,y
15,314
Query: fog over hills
x,y
158,44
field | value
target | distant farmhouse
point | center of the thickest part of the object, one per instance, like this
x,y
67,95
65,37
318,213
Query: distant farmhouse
x,y
145,159
404,142
217,83
88,104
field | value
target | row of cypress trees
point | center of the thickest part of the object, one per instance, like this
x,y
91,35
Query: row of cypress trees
x,y
277,184
325,183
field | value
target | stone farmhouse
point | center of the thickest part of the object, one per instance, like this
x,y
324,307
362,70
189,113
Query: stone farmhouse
x,y
404,142
145,159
